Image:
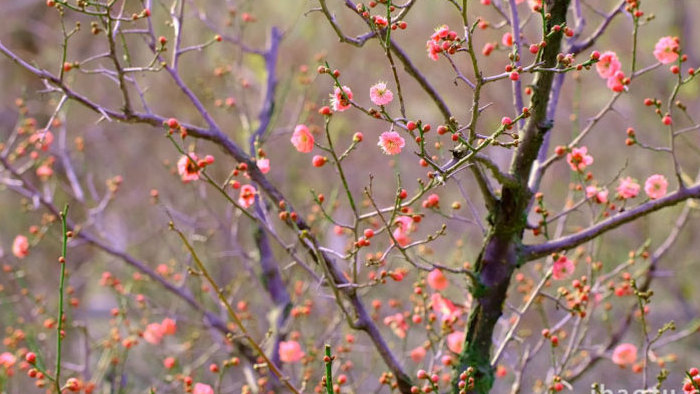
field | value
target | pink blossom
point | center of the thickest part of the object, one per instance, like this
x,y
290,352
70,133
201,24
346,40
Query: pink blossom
x,y
302,139
20,247
433,201
579,159
201,388
440,32
624,354
562,268
380,95
44,171
263,165
628,188
247,196
7,360
507,39
656,186
290,351
188,169
418,354
391,142
433,49
404,226
616,83
599,195
666,50
153,333
608,64
444,307
455,341
437,280
168,326
340,103
397,323
42,139
380,21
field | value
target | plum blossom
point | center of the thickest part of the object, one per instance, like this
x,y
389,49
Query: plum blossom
x,y
579,159
391,142
616,83
455,341
338,102
302,139
437,280
445,308
188,169
20,247
7,360
608,64
624,354
264,165
562,268
418,354
247,196
656,186
397,323
380,95
290,351
666,50
433,49
598,195
403,228
153,333
201,388
168,326
628,188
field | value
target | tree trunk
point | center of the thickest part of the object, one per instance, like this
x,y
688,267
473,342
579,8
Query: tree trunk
x,y
501,251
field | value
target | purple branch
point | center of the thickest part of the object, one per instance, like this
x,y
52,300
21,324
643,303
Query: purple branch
x,y
532,252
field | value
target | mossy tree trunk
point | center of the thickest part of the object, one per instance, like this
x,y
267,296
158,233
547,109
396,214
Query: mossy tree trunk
x,y
501,252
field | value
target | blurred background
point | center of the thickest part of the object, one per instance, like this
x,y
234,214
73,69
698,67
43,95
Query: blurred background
x,y
116,166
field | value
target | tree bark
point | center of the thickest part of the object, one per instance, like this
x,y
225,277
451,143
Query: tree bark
x,y
502,250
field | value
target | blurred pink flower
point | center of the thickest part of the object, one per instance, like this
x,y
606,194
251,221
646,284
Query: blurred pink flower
x,y
44,171
598,195
624,354
444,307
391,142
397,323
579,159
340,103
380,95
418,354
247,196
263,165
188,169
656,186
437,280
607,65
666,50
290,351
168,326
562,268
20,247
455,341
628,188
616,82
302,139
7,359
153,333
201,388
